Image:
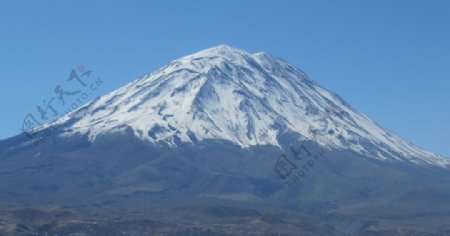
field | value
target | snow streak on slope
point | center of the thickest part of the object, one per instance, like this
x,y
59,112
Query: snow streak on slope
x,y
228,94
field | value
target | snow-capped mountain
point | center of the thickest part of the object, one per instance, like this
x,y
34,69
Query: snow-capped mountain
x,y
249,99
210,129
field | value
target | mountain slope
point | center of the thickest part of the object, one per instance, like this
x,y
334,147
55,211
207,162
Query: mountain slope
x,y
249,99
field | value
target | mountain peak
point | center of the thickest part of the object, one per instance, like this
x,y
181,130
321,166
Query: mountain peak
x,y
222,50
224,47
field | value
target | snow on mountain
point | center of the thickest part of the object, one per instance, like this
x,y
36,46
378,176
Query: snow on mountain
x,y
249,99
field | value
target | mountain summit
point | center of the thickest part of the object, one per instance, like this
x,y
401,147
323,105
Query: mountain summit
x,y
225,93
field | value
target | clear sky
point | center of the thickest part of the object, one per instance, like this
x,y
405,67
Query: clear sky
x,y
388,59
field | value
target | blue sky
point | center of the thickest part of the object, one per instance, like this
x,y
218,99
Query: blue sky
x,y
388,59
